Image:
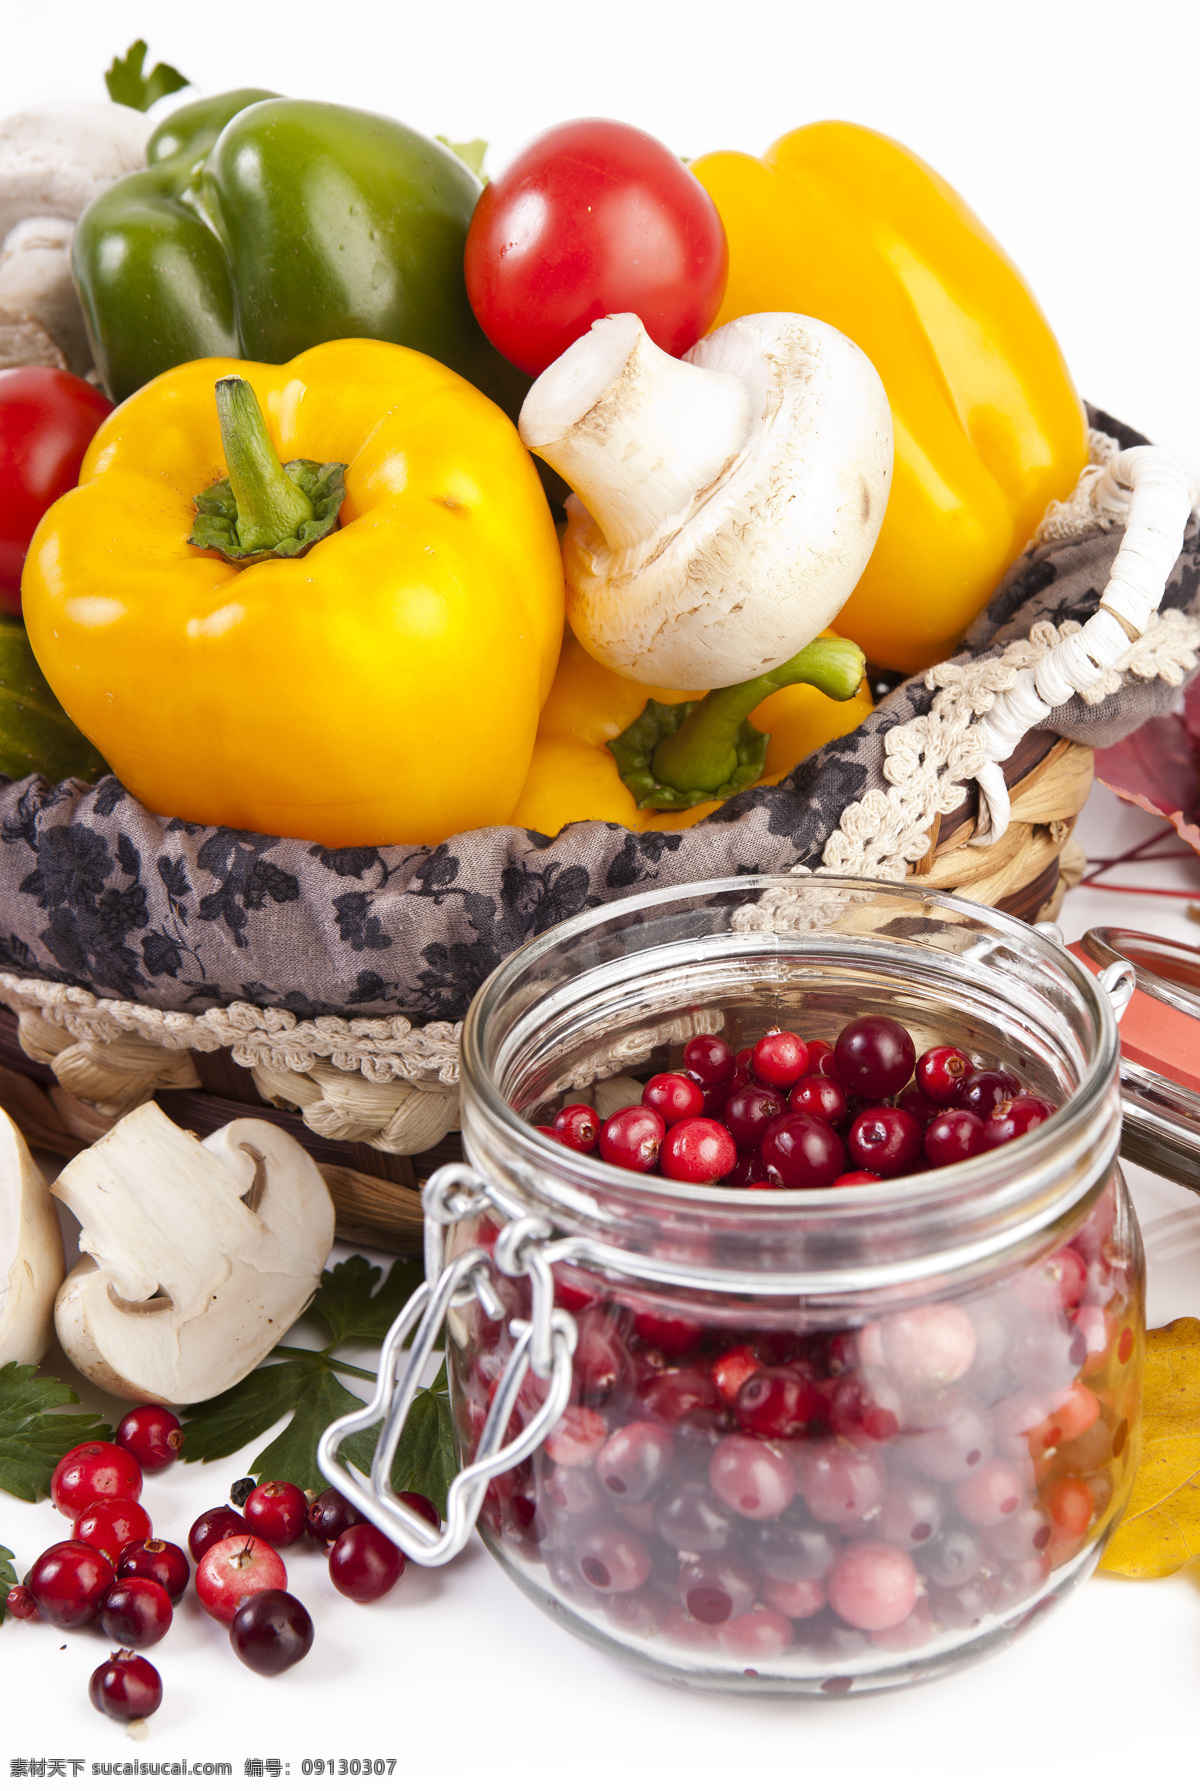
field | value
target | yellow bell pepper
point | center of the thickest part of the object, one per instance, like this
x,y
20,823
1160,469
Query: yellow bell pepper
x,y
840,223
383,687
574,777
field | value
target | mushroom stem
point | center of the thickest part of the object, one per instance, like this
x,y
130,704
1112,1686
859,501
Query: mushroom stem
x,y
675,755
638,435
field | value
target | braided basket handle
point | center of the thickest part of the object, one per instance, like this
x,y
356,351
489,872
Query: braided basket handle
x,y
1153,491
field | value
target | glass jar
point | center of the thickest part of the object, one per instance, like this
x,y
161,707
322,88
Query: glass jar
x,y
945,1367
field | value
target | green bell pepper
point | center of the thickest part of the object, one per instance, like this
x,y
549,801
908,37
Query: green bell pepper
x,y
262,226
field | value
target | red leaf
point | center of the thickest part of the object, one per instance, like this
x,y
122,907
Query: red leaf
x,y
1158,768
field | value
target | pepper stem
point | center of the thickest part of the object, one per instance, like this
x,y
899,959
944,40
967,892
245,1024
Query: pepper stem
x,y
676,755
270,507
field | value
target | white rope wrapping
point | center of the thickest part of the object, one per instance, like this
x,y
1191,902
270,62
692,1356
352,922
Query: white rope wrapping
x,y
1154,494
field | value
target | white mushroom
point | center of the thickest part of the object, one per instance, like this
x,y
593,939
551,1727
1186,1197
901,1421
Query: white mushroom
x,y
726,503
54,160
31,1252
199,1255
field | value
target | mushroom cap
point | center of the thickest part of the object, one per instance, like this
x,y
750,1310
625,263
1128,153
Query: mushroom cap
x,y
37,287
56,158
765,558
31,1252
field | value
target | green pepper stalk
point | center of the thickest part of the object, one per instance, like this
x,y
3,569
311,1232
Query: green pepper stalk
x,y
678,754
263,510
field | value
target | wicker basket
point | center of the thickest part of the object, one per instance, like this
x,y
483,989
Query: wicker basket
x,y
376,1195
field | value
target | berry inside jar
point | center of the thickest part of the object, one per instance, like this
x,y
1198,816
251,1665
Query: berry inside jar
x,y
761,1492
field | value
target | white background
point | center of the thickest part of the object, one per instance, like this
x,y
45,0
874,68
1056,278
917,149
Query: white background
x,y
1072,129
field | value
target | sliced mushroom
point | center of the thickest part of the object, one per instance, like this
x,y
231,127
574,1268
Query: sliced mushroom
x,y
199,1256
31,1252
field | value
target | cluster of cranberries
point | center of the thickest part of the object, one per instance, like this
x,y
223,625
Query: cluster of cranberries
x,y
791,1113
115,1572
827,1493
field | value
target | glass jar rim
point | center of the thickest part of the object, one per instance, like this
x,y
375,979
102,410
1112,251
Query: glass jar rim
x,y
1086,1124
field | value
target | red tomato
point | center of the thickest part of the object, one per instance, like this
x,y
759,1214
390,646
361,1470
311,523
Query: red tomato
x,y
47,419
594,218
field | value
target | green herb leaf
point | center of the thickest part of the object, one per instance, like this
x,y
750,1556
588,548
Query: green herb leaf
x,y
348,1305
293,1454
33,1436
232,1420
472,154
426,1461
128,86
8,1578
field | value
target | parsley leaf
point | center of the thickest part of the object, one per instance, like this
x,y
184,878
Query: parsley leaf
x,y
34,1437
128,86
306,1383
348,1306
8,1578
472,154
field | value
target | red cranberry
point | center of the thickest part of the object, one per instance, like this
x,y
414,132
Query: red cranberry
x,y
423,1507
751,1477
548,1132
941,1073
111,1525
271,1632
1012,1119
911,1100
874,1057
747,1172
675,1336
687,1517
793,1549
578,1127
821,1096
601,1360
329,1514
799,1151
152,1435
631,1138
577,1437
885,1140
614,1560
68,1582
953,1137
635,1460
779,1059
236,1568
716,1587
93,1471
748,1113
125,1687
856,1414
821,1061
697,1150
21,1605
278,1512
156,1560
856,1178
731,1371
673,1097
135,1613
214,1526
709,1059
678,1393
985,1089
777,1402
841,1485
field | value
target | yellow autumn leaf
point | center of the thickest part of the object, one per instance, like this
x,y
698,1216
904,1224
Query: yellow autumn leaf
x,y
1160,1532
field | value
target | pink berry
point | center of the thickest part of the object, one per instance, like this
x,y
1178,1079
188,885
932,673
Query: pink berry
x,y
941,1073
796,1599
958,1438
885,1140
364,1564
156,1560
714,1588
111,1525
675,1395
842,1485
985,1089
758,1635
709,1059
602,1362
1055,1285
577,1436
152,1435
992,1493
799,1151
751,1477
635,1460
821,1096
614,1560
778,1402
234,1569
578,1126
779,1058
697,1150
874,1057
673,1097
126,1687
930,1344
873,1586
953,1136
631,1139
278,1512
912,1512
136,1613
748,1112
863,1414
68,1582
1012,1119
93,1471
